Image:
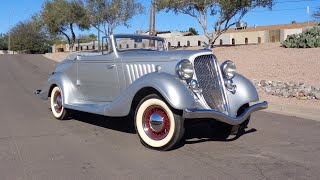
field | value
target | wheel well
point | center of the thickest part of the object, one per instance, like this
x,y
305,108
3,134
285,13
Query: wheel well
x,y
50,90
242,109
141,94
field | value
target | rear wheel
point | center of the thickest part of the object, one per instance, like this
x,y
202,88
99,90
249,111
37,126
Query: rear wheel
x,y
158,126
56,99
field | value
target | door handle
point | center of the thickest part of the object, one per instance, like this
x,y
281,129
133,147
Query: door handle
x,y
111,66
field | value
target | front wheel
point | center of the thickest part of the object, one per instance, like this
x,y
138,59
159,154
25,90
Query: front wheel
x,y
56,98
158,126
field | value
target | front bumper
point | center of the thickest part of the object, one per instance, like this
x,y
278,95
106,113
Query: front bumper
x,y
217,115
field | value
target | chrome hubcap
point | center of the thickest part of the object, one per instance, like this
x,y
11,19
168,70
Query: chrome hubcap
x,y
57,103
156,122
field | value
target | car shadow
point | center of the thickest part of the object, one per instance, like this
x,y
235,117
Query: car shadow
x,y
122,124
207,130
198,131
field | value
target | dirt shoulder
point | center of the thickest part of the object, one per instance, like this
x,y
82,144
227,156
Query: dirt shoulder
x,y
58,57
272,62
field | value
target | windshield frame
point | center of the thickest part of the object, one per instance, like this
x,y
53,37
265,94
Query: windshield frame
x,y
114,37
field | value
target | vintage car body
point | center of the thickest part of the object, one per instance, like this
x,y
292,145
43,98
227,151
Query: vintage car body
x,y
114,83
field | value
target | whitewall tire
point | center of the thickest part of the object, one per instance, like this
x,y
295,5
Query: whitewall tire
x,y
56,99
157,124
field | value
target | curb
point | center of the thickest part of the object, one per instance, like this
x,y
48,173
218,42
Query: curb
x,y
301,112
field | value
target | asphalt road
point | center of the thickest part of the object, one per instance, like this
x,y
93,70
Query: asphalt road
x,y
33,145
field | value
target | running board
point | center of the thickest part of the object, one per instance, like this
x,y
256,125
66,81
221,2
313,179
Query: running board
x,y
95,108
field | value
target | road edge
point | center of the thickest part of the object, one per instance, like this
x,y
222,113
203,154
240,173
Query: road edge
x,y
301,112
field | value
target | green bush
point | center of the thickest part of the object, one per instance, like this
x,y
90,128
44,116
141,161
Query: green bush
x,y
308,39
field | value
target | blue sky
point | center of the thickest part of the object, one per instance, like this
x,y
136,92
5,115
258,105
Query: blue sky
x,y
283,12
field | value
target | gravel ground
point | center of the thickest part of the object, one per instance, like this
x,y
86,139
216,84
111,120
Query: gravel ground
x,y
272,62
268,62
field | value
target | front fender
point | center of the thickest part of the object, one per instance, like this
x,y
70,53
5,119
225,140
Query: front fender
x,y
245,93
68,89
169,86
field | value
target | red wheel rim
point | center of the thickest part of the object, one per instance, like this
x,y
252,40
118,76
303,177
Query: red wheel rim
x,y
156,122
57,101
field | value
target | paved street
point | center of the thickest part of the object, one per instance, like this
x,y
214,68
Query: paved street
x,y
33,145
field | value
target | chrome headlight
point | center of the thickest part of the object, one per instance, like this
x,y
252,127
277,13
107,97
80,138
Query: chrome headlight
x,y
229,69
185,69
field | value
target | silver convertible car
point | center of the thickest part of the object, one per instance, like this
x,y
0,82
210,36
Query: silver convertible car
x,y
136,73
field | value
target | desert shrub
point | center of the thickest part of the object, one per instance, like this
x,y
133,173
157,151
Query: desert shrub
x,y
307,39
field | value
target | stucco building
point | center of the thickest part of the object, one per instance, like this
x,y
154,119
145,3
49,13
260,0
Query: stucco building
x,y
250,35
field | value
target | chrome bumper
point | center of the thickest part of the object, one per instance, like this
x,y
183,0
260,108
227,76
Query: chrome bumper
x,y
217,115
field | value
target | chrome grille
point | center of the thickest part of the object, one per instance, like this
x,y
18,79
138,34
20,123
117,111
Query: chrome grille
x,y
209,80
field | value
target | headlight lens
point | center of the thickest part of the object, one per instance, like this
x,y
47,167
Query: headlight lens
x,y
229,69
185,69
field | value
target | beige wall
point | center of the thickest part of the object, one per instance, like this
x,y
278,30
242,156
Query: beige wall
x,y
285,32
184,40
252,37
226,39
172,34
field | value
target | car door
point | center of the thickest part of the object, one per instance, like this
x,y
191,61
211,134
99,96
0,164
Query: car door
x,y
98,78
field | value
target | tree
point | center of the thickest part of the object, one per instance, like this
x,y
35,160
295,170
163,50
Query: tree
x,y
27,37
224,11
316,14
294,22
193,31
87,38
3,42
112,13
61,17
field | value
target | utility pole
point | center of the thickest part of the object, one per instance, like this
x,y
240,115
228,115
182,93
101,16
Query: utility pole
x,y
152,25
154,18
150,20
99,13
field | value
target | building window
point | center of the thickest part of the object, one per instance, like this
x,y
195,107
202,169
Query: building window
x,y
169,44
87,47
188,43
221,42
199,43
246,40
120,46
233,41
127,46
259,40
179,44
135,45
93,47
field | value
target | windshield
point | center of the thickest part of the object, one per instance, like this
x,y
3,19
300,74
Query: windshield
x,y
125,43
